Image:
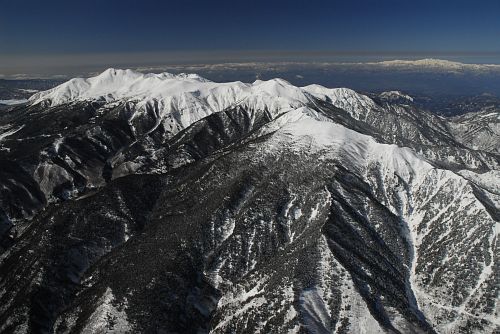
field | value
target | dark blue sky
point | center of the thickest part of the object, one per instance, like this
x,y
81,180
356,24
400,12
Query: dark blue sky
x,y
29,28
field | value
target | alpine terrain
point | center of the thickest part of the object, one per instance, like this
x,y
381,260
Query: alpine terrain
x,y
161,203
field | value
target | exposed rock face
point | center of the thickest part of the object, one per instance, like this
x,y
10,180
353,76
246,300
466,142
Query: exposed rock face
x,y
161,203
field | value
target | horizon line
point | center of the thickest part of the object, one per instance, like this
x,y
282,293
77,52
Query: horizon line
x,y
94,69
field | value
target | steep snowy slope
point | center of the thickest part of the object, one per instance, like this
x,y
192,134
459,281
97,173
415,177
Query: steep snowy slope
x,y
479,131
357,105
395,96
163,203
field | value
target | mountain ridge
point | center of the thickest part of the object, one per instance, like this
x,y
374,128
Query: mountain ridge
x,y
265,208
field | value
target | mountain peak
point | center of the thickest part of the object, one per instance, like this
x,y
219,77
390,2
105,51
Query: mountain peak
x,y
198,94
267,186
395,95
436,65
116,84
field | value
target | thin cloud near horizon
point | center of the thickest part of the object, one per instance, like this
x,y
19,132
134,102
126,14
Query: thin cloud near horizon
x,y
434,64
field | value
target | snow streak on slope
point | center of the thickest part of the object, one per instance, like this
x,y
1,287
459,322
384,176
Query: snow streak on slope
x,y
107,318
356,104
429,200
479,131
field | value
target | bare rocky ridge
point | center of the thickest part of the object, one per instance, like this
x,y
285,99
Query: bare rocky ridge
x,y
163,204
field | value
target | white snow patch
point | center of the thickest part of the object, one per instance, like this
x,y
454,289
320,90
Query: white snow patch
x,y
13,102
10,132
107,318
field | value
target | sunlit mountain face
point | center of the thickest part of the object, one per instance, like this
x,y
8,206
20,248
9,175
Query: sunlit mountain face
x,y
172,203
444,87
246,167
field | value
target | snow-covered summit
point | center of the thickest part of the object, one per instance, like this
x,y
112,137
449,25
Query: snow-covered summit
x,y
437,65
114,84
197,94
395,95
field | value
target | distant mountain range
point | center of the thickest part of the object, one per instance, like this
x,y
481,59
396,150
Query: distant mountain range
x,y
438,85
169,203
435,65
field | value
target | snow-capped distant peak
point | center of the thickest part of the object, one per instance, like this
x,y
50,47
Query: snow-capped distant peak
x,y
423,62
436,65
395,95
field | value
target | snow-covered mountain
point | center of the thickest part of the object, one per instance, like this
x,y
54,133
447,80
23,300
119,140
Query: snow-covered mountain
x,y
479,131
395,96
438,65
169,203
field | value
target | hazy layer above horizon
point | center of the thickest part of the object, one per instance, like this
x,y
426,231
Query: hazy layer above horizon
x,y
71,65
